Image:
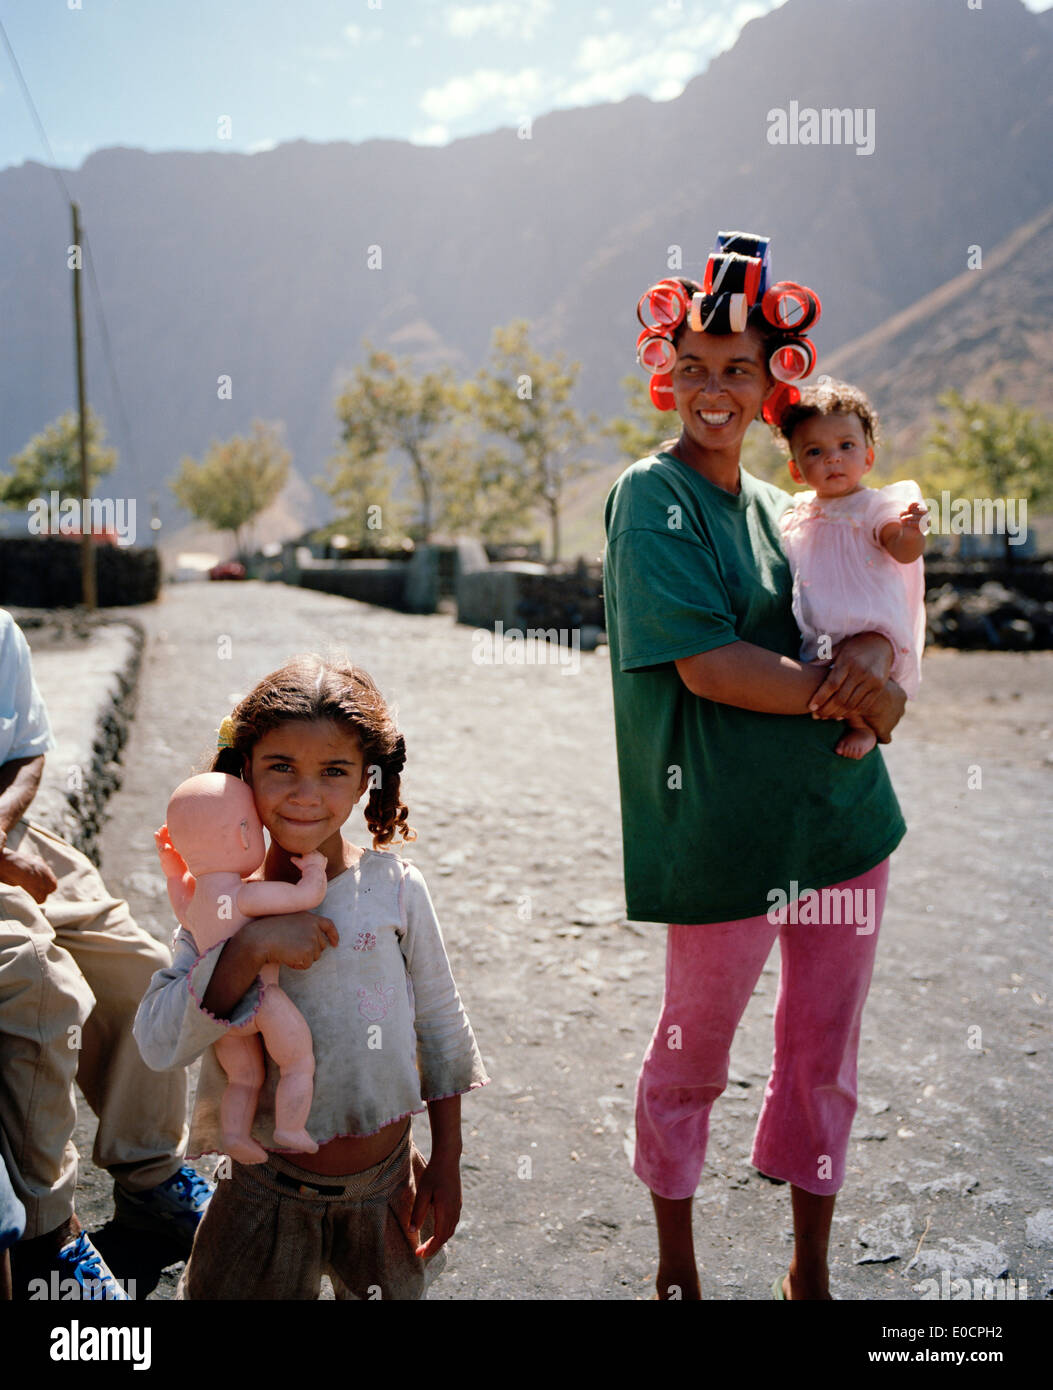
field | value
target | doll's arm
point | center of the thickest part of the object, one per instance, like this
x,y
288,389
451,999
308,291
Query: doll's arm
x,y
262,898
904,539
180,879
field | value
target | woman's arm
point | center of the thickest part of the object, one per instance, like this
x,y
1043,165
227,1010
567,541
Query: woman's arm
x,y
755,678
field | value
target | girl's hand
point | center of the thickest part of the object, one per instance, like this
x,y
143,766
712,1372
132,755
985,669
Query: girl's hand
x,y
438,1191
296,940
913,516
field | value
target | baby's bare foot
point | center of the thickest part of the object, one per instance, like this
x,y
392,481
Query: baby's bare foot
x,y
857,743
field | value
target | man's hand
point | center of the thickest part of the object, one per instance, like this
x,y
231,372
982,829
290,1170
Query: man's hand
x,y
23,870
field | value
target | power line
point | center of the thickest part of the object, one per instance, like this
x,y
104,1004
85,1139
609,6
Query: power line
x,y
89,260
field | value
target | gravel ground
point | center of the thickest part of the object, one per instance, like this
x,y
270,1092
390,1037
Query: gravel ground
x,y
512,786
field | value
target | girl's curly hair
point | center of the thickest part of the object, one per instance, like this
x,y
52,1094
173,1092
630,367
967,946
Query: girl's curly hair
x,y
309,688
828,397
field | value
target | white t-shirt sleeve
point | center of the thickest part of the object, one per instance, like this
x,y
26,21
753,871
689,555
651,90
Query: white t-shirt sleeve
x,y
447,1055
24,728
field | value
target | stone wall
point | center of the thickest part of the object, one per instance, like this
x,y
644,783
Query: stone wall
x,y
44,572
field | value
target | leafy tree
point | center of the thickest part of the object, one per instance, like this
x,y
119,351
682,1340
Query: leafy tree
x,y
762,457
642,429
993,449
391,406
51,461
359,482
235,481
522,399
483,493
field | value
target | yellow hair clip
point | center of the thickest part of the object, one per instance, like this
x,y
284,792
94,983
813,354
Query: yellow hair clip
x,y
227,733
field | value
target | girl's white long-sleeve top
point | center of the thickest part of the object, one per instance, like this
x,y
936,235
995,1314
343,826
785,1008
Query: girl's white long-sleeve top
x,y
389,1030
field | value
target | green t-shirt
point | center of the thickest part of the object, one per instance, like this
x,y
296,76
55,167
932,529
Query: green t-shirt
x,y
720,805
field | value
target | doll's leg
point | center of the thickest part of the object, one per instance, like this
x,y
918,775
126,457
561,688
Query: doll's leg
x,y
288,1041
242,1060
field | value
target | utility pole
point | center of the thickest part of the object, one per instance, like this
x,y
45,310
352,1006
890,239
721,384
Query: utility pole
x,y
89,595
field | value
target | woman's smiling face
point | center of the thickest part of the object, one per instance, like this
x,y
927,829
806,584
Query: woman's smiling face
x,y
720,383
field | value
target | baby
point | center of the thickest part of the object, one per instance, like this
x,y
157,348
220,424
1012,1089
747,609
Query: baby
x,y
855,551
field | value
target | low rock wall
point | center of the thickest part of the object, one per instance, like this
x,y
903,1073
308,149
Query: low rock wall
x,y
44,572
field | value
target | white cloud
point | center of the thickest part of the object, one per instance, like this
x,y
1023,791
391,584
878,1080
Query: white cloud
x,y
431,135
657,61
261,146
510,18
462,96
353,33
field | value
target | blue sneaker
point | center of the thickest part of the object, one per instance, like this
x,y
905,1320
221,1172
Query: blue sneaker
x,y
173,1208
79,1260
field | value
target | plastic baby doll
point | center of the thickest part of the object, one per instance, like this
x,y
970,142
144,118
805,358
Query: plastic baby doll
x,y
212,840
855,551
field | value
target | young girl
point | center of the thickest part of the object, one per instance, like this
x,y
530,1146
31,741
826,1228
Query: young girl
x,y
372,979
855,551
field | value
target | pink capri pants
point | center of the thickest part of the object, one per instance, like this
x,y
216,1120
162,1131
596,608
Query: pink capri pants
x,y
810,1099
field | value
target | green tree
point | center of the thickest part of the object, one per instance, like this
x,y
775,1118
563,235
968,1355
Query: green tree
x,y
236,480
522,400
483,493
995,449
359,482
389,406
642,429
51,461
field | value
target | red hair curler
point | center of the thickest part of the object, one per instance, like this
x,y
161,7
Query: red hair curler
x,y
666,303
662,392
727,273
793,360
780,400
793,308
655,352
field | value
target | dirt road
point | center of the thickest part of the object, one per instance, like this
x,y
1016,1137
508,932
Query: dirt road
x,y
511,784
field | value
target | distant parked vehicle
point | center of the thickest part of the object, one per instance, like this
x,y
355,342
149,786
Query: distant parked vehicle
x,y
228,569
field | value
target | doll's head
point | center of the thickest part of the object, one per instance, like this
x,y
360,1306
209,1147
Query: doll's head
x,y
212,822
308,689
830,434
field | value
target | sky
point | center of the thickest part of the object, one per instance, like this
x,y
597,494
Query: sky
x,y
159,74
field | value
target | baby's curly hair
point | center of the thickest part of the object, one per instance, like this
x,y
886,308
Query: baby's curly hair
x,y
827,397
309,688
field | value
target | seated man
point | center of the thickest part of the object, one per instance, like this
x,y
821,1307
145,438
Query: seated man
x,y
73,968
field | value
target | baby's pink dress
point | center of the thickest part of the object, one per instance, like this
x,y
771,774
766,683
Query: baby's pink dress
x,y
845,582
